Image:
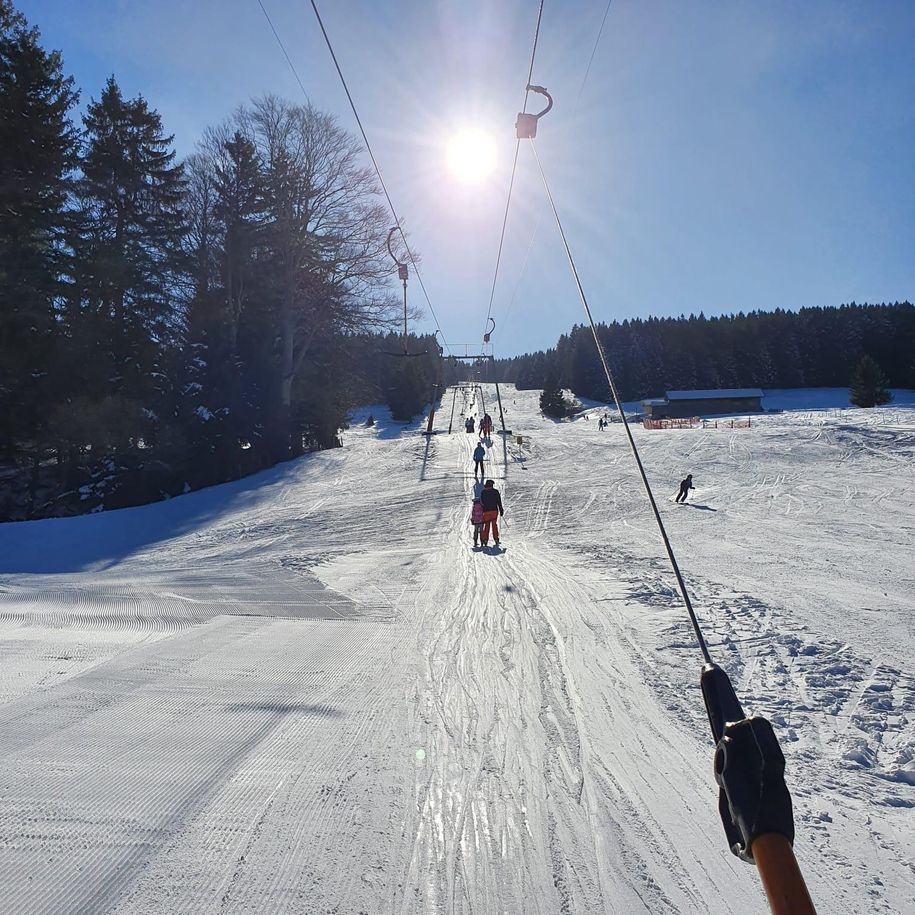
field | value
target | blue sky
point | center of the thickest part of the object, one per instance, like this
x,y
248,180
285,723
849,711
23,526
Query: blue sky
x,y
722,156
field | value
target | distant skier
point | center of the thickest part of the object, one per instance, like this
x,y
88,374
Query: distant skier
x,y
600,424
486,426
470,424
685,486
479,453
492,511
476,519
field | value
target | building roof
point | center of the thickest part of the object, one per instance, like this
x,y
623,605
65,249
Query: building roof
x,y
721,394
654,402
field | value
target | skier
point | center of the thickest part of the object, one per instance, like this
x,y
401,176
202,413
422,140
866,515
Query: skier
x,y
492,510
478,454
685,486
486,426
470,424
600,424
476,519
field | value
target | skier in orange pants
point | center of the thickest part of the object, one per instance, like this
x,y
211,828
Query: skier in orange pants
x,y
492,510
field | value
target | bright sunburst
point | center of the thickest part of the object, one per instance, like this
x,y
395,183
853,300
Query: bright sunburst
x,y
471,155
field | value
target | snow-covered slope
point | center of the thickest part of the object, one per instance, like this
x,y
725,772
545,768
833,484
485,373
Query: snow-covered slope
x,y
303,692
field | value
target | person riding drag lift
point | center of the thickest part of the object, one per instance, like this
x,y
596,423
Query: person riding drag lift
x,y
476,519
492,511
479,453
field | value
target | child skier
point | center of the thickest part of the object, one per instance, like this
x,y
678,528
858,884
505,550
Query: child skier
x,y
476,519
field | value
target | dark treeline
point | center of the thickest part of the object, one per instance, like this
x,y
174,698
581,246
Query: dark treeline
x,y
814,347
166,325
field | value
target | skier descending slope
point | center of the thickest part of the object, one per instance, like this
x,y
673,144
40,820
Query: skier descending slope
x,y
685,486
492,510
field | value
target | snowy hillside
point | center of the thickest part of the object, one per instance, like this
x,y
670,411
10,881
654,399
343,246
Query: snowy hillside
x,y
304,692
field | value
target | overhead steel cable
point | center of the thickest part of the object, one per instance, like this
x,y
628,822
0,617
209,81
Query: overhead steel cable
x,y
279,41
377,168
365,139
600,32
536,229
681,584
754,802
511,181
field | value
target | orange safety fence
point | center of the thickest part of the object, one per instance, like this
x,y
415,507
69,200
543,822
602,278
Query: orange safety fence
x,y
690,423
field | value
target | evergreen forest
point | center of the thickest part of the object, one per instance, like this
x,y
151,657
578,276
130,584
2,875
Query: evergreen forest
x,y
812,347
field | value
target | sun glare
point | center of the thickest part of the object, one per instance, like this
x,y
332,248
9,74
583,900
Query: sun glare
x,y
471,155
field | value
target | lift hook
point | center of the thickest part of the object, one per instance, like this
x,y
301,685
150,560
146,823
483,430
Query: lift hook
x,y
526,125
402,271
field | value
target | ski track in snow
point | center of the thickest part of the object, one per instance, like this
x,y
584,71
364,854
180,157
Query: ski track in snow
x,y
304,692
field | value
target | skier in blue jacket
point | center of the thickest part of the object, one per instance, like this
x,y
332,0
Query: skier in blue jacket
x,y
479,453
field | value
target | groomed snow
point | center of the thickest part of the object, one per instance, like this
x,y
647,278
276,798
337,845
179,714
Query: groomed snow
x,y
303,692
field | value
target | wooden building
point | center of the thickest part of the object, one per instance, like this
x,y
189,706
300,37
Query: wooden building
x,y
682,404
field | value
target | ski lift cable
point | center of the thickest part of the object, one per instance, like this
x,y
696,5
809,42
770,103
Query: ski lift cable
x,y
368,147
754,801
600,32
536,229
511,181
279,41
681,584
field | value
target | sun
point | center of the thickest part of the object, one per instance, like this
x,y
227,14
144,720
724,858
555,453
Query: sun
x,y
471,155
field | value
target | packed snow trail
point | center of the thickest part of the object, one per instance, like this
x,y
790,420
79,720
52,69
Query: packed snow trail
x,y
304,692
512,802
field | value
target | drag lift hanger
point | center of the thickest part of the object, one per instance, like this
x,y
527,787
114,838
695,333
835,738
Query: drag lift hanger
x,y
526,124
403,274
489,332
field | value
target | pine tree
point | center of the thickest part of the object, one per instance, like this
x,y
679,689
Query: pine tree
x,y
552,402
240,207
868,386
130,252
37,155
